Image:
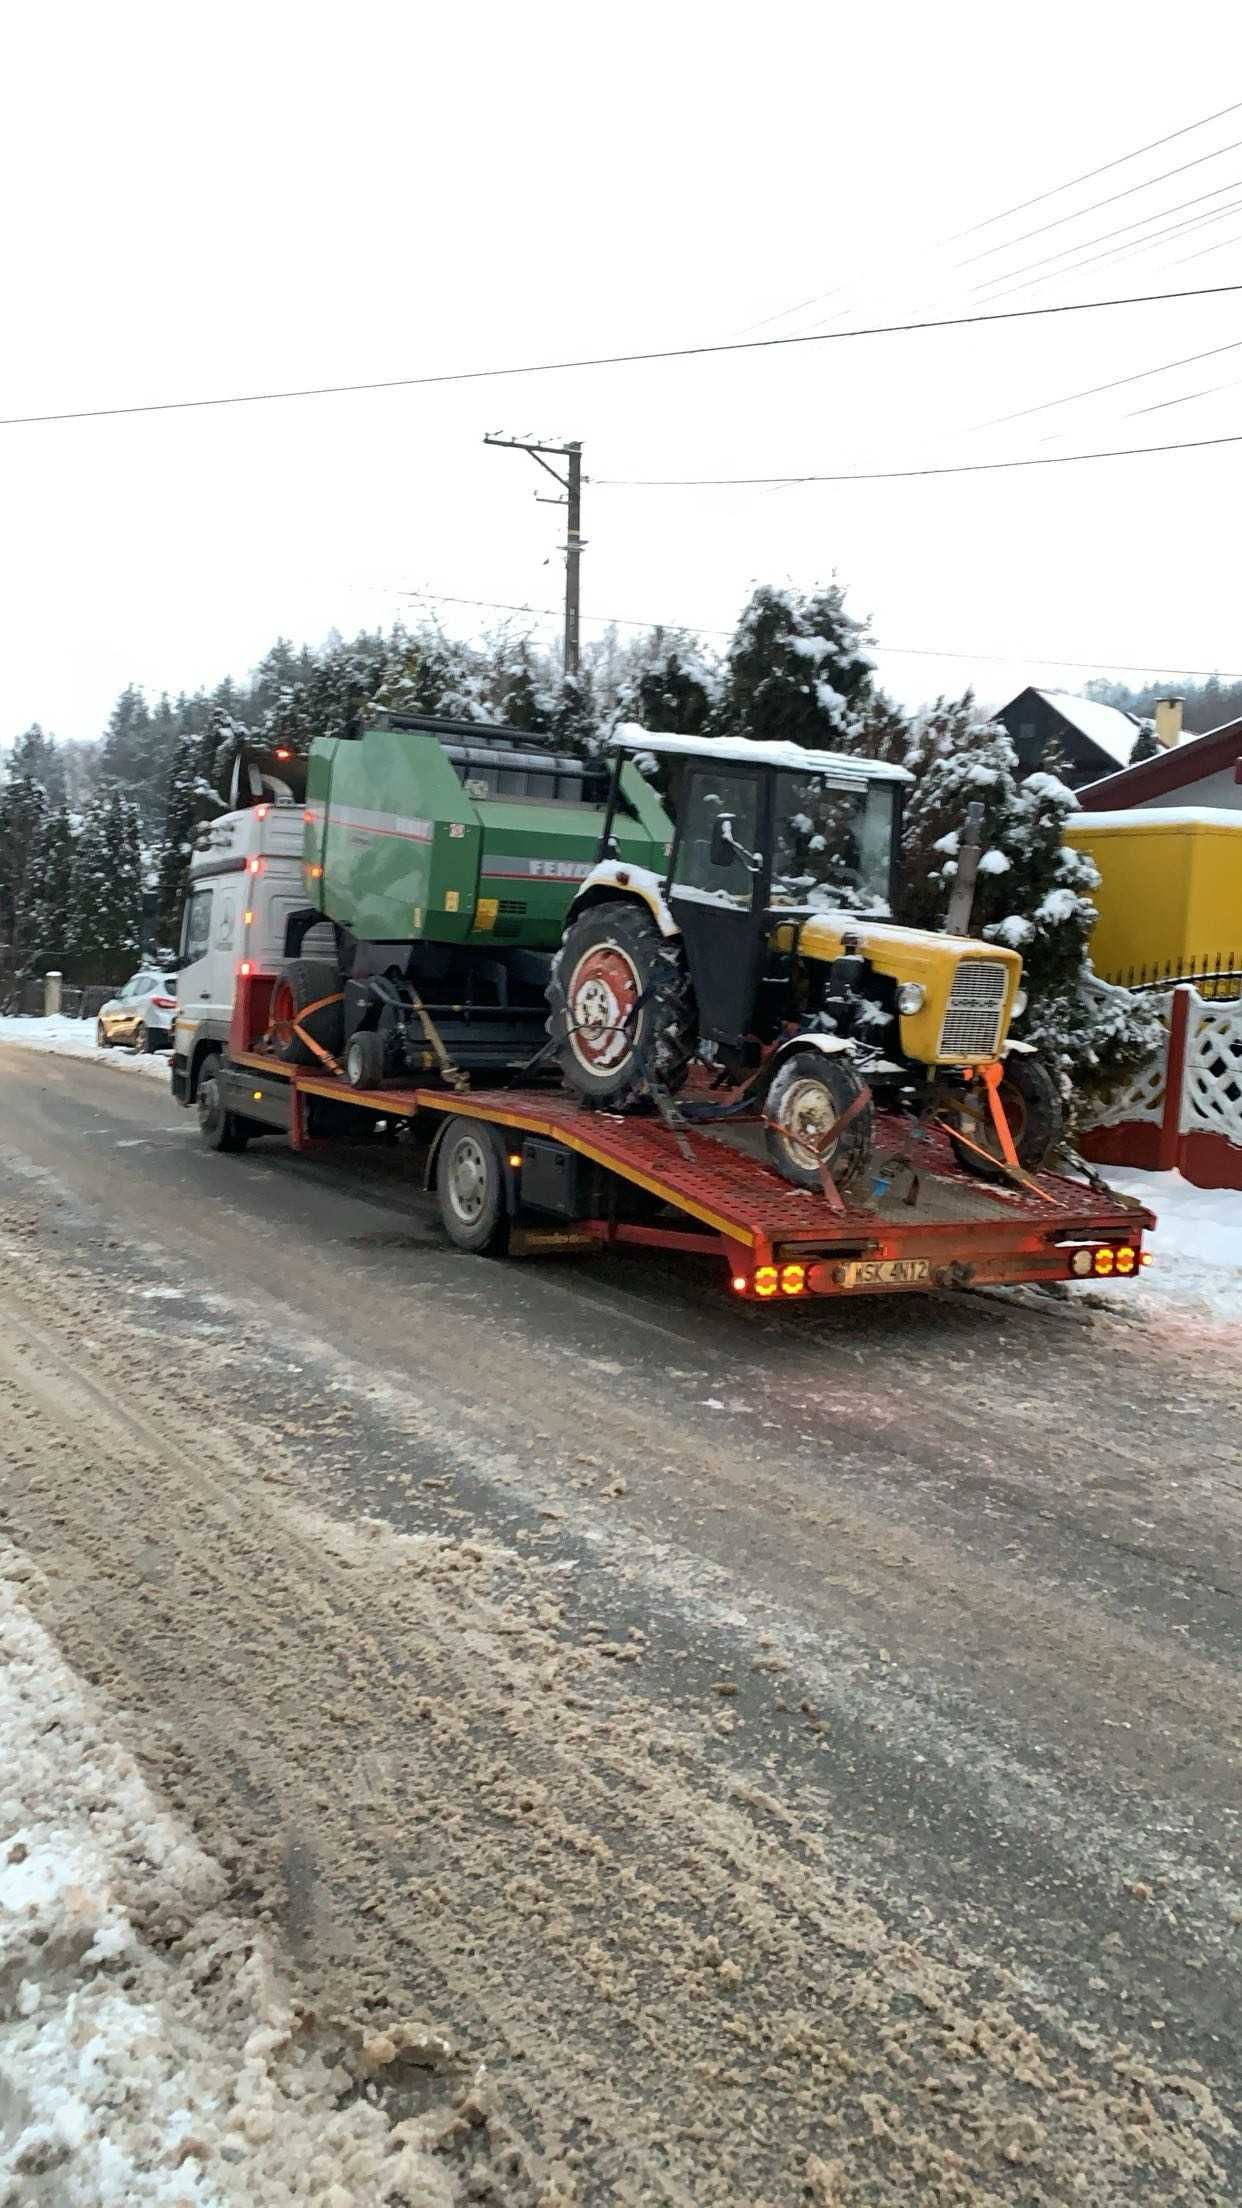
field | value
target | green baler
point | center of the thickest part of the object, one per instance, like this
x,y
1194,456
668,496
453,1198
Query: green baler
x,y
444,854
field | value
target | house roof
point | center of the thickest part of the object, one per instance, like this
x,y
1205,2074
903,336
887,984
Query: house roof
x,y
1170,771
1106,726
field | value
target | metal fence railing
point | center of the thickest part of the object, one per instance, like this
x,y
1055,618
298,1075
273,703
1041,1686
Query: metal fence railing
x,y
1215,976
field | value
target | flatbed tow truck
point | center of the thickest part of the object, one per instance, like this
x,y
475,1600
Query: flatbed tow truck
x,y
531,1170
573,1103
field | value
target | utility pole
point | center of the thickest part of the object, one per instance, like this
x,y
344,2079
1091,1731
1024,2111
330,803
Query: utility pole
x,y
571,484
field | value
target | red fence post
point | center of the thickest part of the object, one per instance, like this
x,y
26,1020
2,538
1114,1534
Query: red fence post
x,y
1169,1147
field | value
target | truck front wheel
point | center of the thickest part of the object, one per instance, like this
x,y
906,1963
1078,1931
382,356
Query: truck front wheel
x,y
220,1129
621,1006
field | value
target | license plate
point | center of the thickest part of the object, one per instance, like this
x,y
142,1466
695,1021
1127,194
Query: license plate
x,y
887,1272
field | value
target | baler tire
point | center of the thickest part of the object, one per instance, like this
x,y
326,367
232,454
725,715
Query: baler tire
x,y
471,1188
219,1128
302,982
364,1059
1032,1105
614,957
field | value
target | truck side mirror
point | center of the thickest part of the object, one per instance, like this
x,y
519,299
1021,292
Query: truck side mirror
x,y
723,849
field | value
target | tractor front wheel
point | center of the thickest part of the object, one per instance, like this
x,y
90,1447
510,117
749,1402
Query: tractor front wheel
x,y
1032,1106
809,1098
621,1007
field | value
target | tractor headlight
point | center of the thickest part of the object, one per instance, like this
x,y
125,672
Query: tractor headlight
x,y
911,996
1019,1004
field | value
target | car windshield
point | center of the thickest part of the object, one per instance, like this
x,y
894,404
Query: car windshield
x,y
832,848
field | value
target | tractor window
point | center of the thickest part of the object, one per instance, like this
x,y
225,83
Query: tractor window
x,y
722,878
832,848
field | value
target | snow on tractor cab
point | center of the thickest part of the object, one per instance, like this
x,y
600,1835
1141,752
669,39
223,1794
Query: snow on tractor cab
x,y
766,948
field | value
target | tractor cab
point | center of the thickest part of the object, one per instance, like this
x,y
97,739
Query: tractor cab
x,y
765,835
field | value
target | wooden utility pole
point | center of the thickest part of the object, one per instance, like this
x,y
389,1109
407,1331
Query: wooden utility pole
x,y
571,484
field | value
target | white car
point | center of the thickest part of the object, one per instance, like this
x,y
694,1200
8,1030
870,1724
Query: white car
x,y
142,1014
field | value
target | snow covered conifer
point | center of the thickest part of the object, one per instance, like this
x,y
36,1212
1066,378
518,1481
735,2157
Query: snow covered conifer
x,y
798,671
23,811
668,685
197,783
1146,745
50,928
107,888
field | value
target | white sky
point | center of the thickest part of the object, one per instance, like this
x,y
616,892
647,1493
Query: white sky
x,y
229,199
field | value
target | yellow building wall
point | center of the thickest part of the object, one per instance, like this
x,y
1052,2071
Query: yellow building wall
x,y
1170,894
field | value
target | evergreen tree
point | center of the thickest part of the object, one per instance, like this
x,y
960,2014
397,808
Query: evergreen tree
x,y
669,686
428,672
1146,746
23,810
126,754
51,894
107,889
36,755
334,698
1033,893
798,671
198,778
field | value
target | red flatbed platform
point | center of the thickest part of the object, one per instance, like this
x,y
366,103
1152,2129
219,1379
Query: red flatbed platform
x,y
930,1224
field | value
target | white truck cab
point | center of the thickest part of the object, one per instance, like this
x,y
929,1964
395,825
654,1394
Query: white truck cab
x,y
245,882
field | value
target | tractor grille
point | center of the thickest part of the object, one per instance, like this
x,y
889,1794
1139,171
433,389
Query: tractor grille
x,y
972,1022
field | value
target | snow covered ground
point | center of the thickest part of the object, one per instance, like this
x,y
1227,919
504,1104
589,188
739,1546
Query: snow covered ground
x,y
1197,1247
147,2052
76,1039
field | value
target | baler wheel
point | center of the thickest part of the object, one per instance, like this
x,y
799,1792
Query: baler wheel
x,y
303,983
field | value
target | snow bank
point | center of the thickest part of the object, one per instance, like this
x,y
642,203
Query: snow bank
x,y
147,2052
76,1039
1197,1246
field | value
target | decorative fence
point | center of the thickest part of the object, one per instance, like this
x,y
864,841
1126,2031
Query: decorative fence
x,y
77,1002
1184,1108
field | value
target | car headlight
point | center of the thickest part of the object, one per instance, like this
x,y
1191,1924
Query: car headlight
x,y
911,996
1019,1005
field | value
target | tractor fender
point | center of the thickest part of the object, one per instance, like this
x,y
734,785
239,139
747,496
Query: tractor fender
x,y
1023,1050
833,1046
611,875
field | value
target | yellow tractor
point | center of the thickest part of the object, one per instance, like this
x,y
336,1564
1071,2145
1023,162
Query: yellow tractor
x,y
767,951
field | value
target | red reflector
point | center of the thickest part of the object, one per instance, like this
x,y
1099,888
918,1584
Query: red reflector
x,y
165,1004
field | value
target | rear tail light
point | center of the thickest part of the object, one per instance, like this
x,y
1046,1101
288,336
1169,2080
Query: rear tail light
x,y
766,1280
1127,1260
793,1280
1106,1260
164,1004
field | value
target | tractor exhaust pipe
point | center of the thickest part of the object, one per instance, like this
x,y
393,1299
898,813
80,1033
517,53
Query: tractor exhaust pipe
x,y
970,849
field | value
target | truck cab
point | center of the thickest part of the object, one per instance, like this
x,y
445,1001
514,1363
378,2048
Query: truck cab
x,y
245,882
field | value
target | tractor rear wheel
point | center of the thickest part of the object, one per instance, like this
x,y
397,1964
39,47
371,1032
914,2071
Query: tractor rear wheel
x,y
810,1093
304,982
1031,1103
621,1006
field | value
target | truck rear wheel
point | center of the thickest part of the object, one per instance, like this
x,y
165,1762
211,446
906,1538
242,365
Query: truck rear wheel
x,y
301,984
220,1129
470,1185
621,1006
1031,1104
811,1091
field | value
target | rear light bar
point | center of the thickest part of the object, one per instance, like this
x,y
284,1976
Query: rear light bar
x,y
1106,1260
165,1004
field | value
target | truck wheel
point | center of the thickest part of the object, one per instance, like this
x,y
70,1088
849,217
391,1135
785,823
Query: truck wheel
x,y
364,1059
303,982
810,1093
1031,1104
621,1006
220,1129
470,1183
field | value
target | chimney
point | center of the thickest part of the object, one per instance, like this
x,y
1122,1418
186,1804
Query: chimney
x,y
1169,722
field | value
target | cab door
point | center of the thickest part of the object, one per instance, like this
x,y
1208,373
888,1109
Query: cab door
x,y
717,893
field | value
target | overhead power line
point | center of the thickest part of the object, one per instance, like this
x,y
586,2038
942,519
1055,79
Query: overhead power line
x,y
1058,222
894,475
1094,390
1152,146
1121,230
616,360
897,651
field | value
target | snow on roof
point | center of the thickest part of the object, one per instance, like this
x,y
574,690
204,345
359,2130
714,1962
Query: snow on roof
x,y
1157,816
1106,726
842,765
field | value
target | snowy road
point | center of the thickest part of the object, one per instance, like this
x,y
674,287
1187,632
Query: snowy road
x,y
798,1755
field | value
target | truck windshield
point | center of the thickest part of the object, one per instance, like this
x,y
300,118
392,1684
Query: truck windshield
x,y
832,848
